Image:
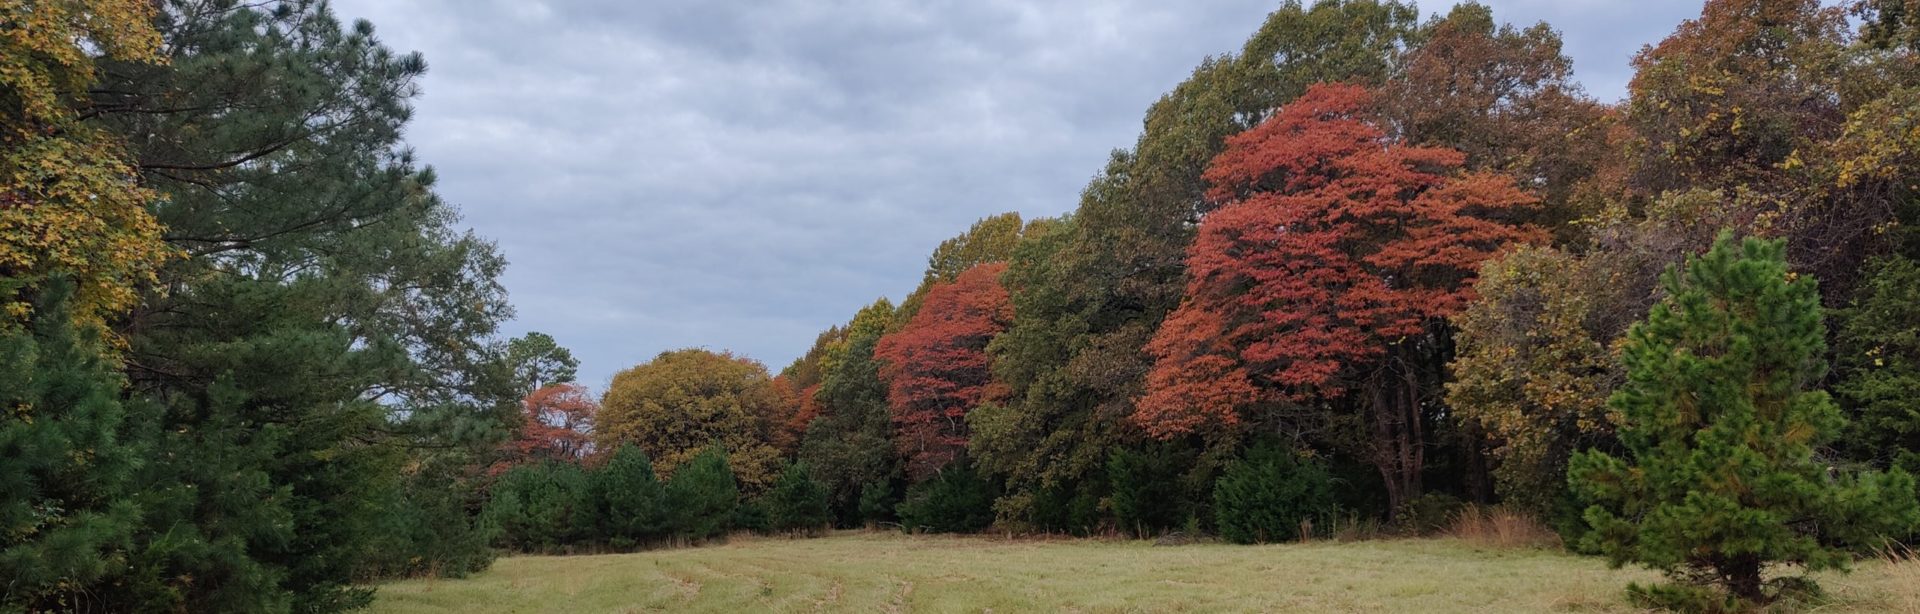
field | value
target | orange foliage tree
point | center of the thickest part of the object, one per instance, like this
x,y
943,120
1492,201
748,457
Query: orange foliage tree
x,y
558,425
937,369
1325,277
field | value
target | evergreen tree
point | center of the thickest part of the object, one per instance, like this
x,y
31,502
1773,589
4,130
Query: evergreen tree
x,y
541,507
1147,493
702,496
66,465
957,500
1720,427
1266,495
629,502
797,503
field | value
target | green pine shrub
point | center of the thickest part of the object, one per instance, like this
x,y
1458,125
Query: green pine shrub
x,y
1264,496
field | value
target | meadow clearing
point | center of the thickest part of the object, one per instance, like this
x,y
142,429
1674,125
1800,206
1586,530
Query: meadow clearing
x,y
891,572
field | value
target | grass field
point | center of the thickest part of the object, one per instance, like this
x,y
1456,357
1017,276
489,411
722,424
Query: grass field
x,y
885,572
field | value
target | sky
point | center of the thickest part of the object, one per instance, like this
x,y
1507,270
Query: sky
x,y
741,175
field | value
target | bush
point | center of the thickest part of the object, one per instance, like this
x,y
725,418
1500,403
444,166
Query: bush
x,y
797,503
958,500
1147,494
540,507
702,496
1429,513
1071,509
1265,496
629,502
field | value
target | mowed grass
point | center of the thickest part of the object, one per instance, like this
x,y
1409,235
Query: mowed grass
x,y
888,572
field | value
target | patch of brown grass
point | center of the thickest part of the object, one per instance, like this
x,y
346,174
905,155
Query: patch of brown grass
x,y
1501,527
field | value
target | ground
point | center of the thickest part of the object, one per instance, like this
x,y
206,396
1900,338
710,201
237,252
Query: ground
x,y
886,572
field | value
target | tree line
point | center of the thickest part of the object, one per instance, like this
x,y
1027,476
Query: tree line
x,y
1368,269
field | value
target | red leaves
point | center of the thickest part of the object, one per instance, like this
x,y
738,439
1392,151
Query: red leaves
x,y
937,369
558,426
1332,244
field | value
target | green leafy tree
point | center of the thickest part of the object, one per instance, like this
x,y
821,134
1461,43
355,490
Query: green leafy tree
x,y
797,503
849,447
1266,495
702,496
629,502
1720,427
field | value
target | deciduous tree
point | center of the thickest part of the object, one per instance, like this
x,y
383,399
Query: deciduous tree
x,y
937,368
1326,277
685,401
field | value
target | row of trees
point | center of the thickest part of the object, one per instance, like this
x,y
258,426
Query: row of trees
x,y
1370,264
620,503
1377,265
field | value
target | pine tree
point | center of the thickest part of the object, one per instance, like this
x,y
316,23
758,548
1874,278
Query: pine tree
x,y
65,519
629,502
702,496
1720,426
797,503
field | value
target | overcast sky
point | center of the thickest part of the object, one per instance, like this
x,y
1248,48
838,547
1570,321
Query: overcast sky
x,y
740,175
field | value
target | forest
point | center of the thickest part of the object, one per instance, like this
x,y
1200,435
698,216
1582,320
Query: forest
x,y
1377,271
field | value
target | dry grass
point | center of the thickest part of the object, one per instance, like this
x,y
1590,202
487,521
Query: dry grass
x,y
879,572
1501,527
1902,567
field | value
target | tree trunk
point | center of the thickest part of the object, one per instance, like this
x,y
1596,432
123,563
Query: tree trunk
x,y
1742,575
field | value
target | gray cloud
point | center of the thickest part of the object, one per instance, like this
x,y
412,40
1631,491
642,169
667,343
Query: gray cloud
x,y
738,175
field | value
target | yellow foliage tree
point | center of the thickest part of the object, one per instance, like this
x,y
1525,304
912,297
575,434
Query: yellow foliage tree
x,y
70,203
684,401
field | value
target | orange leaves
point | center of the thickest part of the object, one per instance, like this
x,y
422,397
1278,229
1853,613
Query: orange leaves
x,y
1333,243
937,368
558,425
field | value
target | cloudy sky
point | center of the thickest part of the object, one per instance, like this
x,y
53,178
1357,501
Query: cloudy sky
x,y
740,175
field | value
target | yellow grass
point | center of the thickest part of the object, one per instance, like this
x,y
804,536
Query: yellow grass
x,y
883,572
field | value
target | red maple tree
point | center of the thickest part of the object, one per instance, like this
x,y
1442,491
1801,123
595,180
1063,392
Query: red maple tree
x,y
937,369
1328,271
558,425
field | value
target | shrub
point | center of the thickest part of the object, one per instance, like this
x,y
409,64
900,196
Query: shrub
x,y
957,500
1265,495
629,502
702,496
1429,513
797,503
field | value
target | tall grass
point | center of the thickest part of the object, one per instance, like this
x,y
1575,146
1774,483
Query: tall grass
x,y
1903,566
1501,527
